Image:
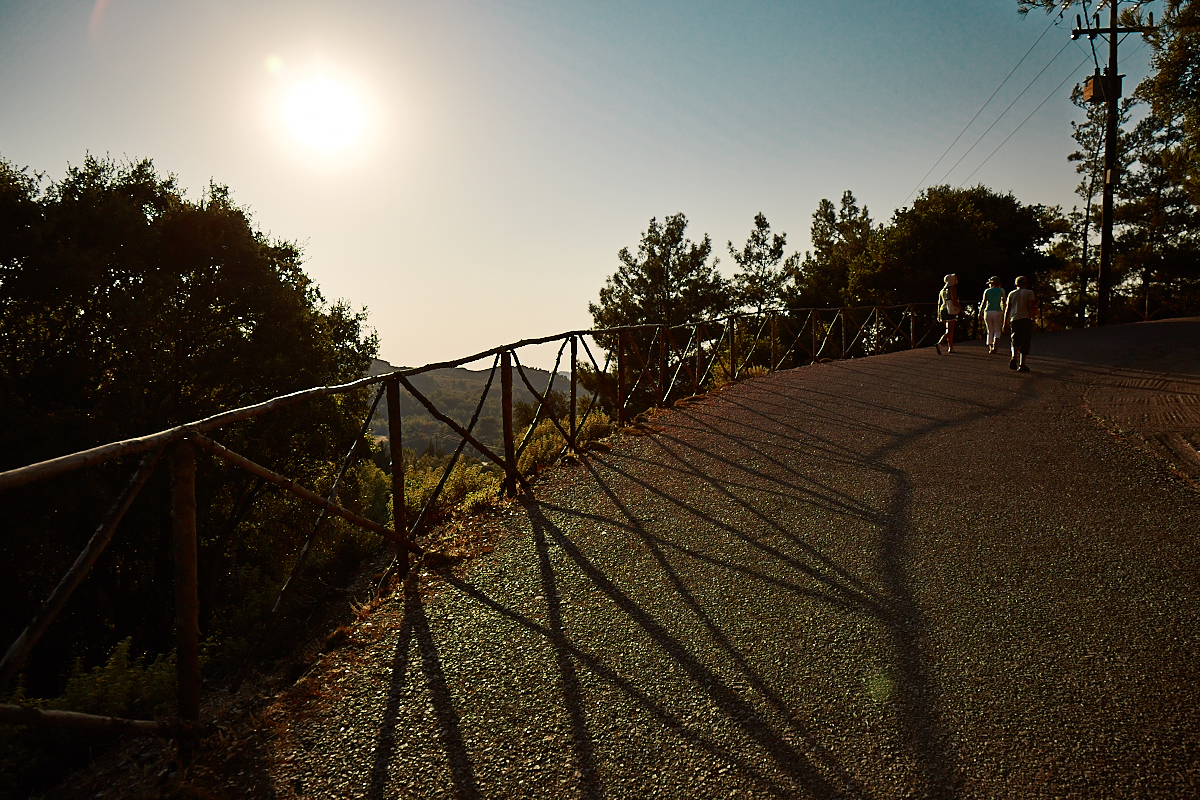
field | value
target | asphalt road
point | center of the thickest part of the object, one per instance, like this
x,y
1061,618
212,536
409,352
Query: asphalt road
x,y
903,576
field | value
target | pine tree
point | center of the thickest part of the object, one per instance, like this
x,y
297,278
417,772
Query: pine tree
x,y
670,281
760,280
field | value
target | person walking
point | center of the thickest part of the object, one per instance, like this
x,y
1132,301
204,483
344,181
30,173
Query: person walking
x,y
948,310
1018,315
991,311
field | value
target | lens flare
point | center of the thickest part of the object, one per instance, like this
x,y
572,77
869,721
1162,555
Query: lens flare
x,y
97,16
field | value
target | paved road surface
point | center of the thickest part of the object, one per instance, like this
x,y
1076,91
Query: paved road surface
x,y
904,576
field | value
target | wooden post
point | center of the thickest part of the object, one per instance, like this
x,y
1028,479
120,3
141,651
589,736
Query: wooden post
x,y
698,375
396,446
774,342
510,450
816,317
621,379
662,367
912,327
843,326
187,604
733,348
574,358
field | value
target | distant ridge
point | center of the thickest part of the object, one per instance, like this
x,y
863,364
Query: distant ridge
x,y
455,392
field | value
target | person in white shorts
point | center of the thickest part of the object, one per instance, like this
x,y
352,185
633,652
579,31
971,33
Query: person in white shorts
x,y
991,311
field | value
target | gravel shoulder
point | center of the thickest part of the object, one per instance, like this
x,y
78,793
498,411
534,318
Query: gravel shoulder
x,y
903,576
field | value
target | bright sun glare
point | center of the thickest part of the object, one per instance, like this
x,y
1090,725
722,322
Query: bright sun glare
x,y
324,115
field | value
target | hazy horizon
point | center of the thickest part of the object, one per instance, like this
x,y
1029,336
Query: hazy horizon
x,y
468,171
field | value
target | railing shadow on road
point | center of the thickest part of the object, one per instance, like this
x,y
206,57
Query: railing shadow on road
x,y
898,609
590,783
847,589
415,628
655,365
791,761
570,658
847,593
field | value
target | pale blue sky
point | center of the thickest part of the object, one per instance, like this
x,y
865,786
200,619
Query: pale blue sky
x,y
511,147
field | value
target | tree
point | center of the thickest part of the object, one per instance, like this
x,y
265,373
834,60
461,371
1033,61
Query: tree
x,y
1160,211
1159,239
1173,90
1077,246
127,308
973,233
1158,192
670,281
760,281
841,240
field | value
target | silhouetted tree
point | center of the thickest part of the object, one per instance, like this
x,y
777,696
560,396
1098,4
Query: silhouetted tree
x,y
760,279
669,281
841,239
127,308
973,232
1158,244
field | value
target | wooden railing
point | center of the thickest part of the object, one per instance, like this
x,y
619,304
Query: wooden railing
x,y
655,366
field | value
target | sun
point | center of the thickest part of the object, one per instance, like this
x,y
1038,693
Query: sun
x,y
324,114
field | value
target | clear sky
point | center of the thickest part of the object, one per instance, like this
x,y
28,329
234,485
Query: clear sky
x,y
468,169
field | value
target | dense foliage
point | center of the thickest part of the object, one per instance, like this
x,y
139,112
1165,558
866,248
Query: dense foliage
x,y
669,281
126,308
1156,259
974,232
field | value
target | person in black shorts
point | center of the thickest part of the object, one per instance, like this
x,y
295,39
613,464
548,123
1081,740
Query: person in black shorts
x,y
1019,313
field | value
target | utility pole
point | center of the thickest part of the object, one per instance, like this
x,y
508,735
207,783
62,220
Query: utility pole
x,y
1106,88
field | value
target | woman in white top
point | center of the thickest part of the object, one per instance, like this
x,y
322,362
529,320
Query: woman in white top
x,y
991,311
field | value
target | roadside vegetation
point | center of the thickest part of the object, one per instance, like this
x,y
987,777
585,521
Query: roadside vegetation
x,y
127,307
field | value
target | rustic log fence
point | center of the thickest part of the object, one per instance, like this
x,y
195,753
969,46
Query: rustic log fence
x,y
655,365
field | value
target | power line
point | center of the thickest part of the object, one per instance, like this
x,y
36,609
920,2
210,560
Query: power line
x,y
981,108
1005,111
1091,39
1052,93
1070,75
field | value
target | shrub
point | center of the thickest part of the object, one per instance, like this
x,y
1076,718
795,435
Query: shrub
x,y
543,448
469,488
122,687
597,425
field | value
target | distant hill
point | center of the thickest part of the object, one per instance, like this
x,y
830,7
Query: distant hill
x,y
455,392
